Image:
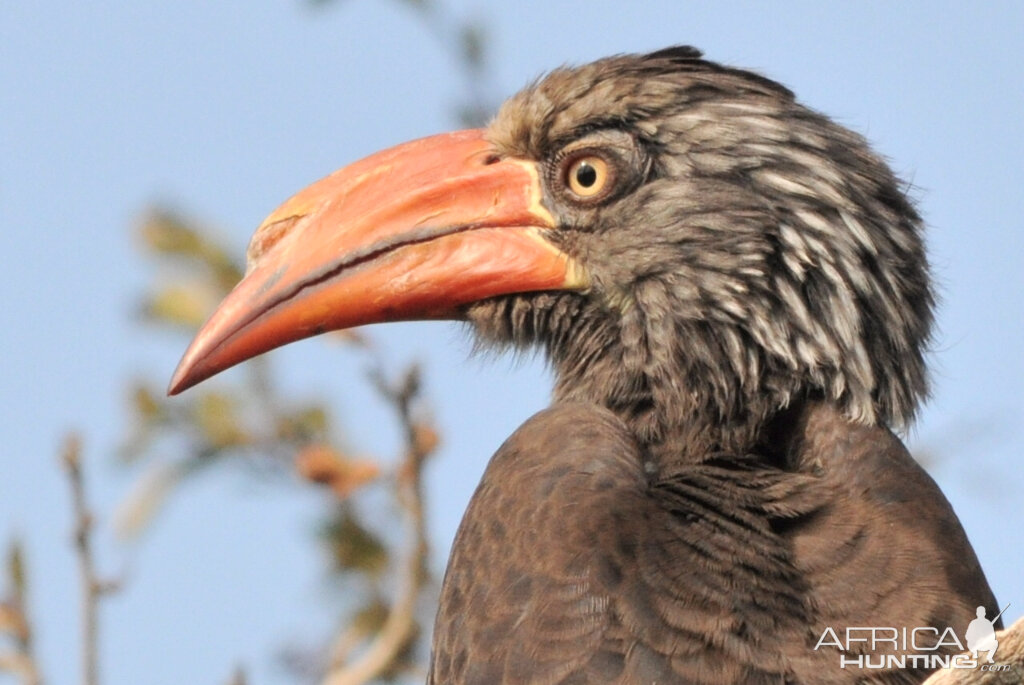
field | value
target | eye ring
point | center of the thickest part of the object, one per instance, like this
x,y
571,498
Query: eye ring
x,y
588,176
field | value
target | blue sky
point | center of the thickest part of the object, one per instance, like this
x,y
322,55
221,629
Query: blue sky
x,y
224,109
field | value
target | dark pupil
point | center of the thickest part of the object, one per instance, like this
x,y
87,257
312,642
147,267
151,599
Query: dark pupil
x,y
586,175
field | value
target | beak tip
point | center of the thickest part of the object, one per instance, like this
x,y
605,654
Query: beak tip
x,y
192,369
179,382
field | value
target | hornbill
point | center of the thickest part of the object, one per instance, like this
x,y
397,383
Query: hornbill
x,y
734,296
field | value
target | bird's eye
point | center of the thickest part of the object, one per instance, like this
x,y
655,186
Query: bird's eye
x,y
588,176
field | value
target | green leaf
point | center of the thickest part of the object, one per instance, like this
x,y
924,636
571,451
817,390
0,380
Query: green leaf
x,y
165,232
16,568
217,419
148,407
187,306
353,547
303,425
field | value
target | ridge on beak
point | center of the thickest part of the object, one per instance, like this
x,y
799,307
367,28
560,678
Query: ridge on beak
x,y
417,231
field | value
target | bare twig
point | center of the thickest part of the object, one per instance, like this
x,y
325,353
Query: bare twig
x,y
92,588
400,625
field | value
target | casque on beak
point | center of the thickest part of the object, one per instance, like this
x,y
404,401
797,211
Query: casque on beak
x,y
413,232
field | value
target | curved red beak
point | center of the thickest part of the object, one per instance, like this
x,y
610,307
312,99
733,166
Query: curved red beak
x,y
413,232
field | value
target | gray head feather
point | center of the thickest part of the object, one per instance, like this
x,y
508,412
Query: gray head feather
x,y
762,254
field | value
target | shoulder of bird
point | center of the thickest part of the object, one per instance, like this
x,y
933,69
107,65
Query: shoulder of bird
x,y
575,565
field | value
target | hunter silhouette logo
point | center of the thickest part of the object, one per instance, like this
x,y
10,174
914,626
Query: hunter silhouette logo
x,y
981,634
925,647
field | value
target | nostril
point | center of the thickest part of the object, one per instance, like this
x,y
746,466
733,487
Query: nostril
x,y
266,237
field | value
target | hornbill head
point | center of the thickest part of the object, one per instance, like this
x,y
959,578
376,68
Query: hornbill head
x,y
693,248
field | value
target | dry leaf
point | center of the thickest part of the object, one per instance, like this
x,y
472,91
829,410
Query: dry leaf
x,y
321,463
427,439
12,621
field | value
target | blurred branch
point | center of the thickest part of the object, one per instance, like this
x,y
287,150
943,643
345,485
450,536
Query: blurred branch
x,y
14,621
399,628
251,418
251,421
237,677
92,588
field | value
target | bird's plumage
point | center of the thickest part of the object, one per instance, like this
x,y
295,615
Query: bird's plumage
x,y
734,296
759,315
757,252
574,565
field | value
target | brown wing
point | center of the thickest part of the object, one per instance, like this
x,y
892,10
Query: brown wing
x,y
885,550
525,597
571,567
